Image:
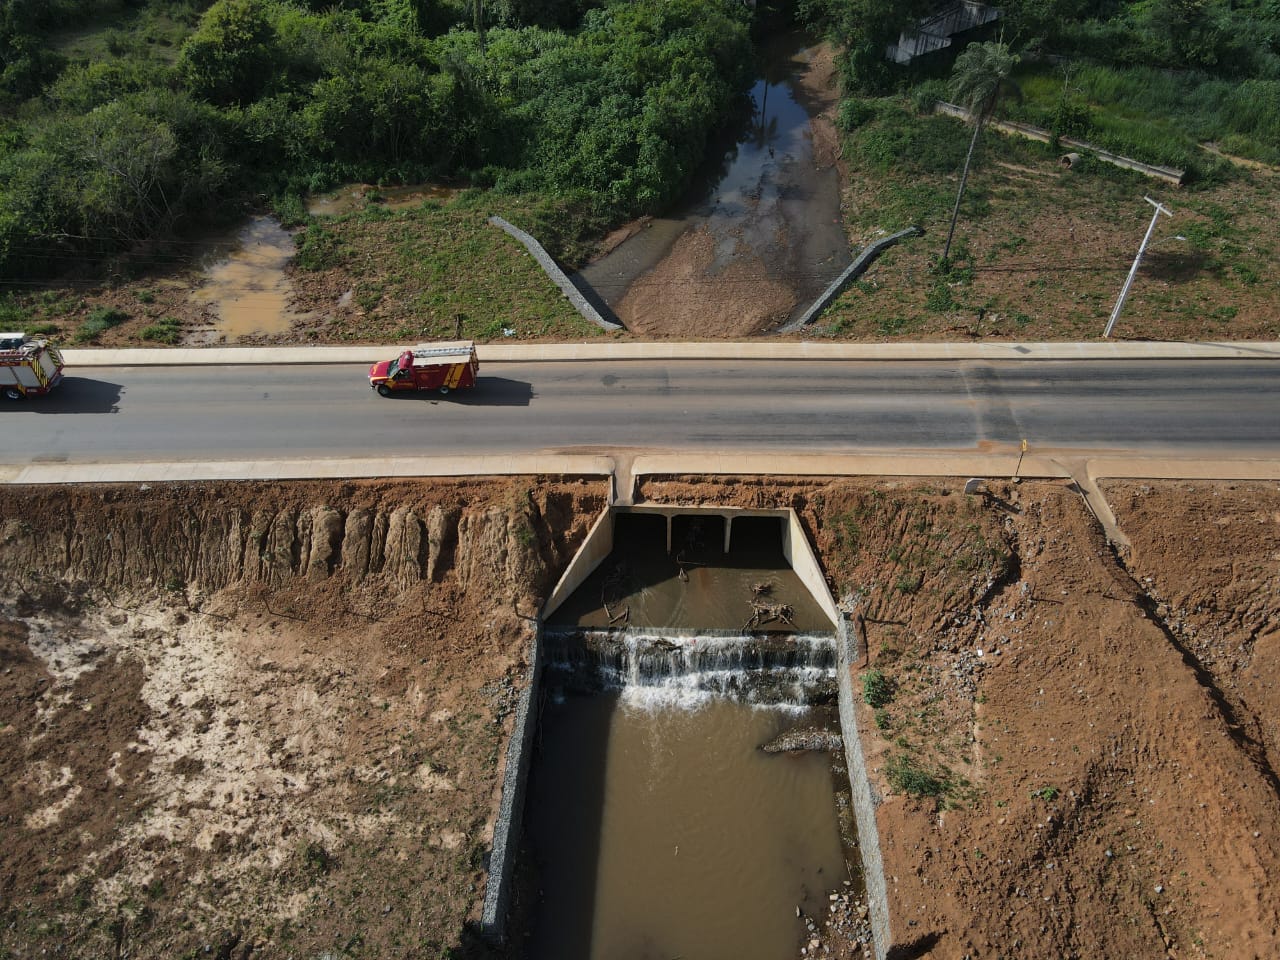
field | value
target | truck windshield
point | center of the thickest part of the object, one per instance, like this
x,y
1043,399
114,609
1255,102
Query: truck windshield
x,y
393,367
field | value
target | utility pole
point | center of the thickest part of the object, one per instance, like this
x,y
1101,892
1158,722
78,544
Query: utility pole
x,y
1133,271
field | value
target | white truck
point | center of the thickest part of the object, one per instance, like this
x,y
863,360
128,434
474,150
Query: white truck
x,y
29,366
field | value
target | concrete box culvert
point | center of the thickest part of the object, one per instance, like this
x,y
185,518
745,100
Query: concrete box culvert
x,y
595,549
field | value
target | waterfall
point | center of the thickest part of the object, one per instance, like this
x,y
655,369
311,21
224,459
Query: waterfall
x,y
768,668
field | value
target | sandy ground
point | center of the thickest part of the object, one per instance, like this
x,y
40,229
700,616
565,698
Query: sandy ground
x,y
176,782
239,721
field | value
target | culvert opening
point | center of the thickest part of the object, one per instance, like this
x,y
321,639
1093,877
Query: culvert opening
x,y
696,572
688,795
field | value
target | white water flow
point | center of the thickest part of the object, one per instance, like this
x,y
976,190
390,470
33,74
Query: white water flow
x,y
777,669
660,830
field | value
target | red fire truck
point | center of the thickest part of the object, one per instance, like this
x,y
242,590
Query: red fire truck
x,y
29,367
441,366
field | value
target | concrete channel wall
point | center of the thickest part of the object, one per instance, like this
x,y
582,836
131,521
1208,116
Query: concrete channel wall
x,y
558,276
851,273
796,548
865,800
1012,127
515,779
595,548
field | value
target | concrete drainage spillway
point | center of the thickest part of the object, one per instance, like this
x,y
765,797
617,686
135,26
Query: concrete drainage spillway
x,y
680,642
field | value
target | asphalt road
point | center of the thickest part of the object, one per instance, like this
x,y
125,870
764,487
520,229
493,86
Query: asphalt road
x,y
253,412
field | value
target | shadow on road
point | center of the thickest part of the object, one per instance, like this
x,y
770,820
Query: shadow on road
x,y
73,395
488,392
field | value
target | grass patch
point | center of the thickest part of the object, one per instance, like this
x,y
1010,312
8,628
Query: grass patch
x,y
877,689
908,583
907,775
442,270
168,330
100,321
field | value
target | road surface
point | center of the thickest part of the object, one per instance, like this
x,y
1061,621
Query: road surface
x,y
251,412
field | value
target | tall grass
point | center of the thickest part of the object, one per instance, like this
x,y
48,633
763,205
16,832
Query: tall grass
x,y
1160,116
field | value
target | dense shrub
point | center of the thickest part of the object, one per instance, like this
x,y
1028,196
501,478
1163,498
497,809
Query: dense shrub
x,y
278,98
1150,80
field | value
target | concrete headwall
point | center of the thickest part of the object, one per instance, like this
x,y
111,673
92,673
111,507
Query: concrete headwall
x,y
593,552
599,544
796,548
865,800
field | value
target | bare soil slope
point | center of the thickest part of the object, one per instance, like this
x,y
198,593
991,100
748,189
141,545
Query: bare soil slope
x,y
1061,777
279,729
268,720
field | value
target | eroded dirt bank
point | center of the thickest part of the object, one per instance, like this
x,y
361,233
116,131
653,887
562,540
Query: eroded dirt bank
x,y
278,729
1062,775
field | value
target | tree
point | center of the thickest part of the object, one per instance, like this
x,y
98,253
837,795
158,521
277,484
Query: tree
x,y
977,80
232,55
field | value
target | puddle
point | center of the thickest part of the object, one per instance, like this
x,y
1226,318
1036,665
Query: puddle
x,y
246,284
764,214
353,196
662,832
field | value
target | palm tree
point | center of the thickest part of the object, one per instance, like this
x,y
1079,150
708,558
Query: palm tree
x,y
977,80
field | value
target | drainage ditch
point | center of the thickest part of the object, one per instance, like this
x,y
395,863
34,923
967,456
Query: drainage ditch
x,y
688,793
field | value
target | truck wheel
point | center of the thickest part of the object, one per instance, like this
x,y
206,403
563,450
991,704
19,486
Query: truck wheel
x,y
444,391
13,393
384,390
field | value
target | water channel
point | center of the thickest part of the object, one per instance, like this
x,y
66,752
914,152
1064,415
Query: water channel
x,y
657,826
758,237
660,830
754,242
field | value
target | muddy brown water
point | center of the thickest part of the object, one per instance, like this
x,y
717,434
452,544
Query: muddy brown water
x,y
246,285
658,829
764,202
696,585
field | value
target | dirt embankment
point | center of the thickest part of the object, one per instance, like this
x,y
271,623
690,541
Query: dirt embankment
x,y
1208,557
1073,763
278,730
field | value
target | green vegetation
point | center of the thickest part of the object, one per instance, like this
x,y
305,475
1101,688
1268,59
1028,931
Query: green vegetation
x,y
877,689
167,330
442,265
907,775
100,321
151,118
1150,80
